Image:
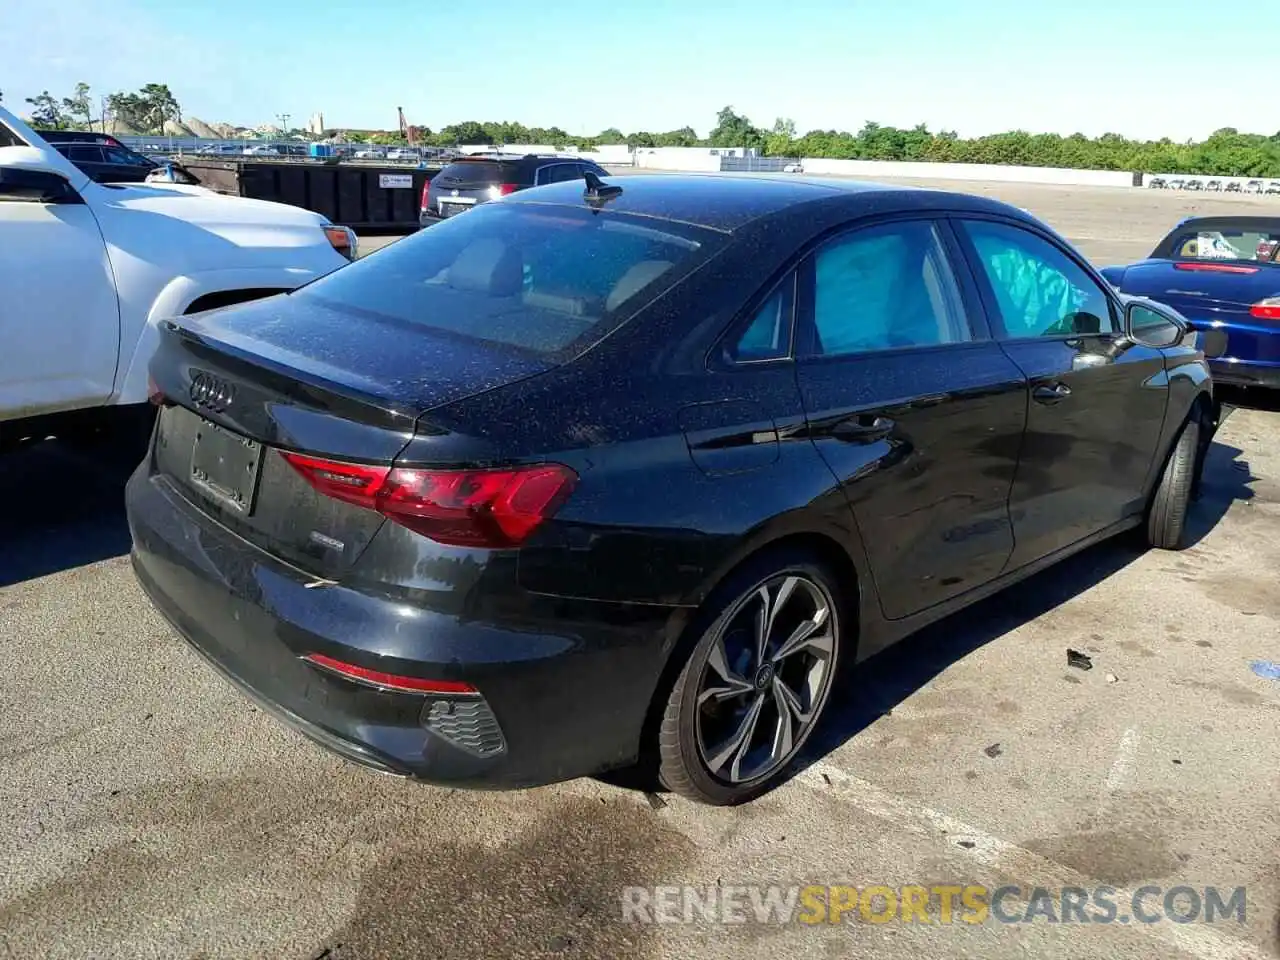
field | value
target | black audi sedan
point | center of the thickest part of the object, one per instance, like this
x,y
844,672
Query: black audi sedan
x,y
606,474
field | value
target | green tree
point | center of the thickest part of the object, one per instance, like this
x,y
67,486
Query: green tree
x,y
734,130
78,106
158,106
46,113
781,139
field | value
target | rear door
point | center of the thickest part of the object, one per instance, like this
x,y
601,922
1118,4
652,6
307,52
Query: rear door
x,y
1097,405
914,408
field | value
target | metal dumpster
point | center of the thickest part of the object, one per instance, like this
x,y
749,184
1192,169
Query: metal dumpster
x,y
358,195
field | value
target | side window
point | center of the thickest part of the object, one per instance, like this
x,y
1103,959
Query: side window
x,y
560,172
85,154
117,155
768,335
1041,292
885,288
10,139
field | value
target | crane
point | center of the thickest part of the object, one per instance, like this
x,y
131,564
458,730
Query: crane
x,y
408,132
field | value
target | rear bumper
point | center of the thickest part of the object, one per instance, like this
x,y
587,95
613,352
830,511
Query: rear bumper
x,y
558,698
1242,373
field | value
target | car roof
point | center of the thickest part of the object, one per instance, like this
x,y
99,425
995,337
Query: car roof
x,y
77,136
1247,222
726,202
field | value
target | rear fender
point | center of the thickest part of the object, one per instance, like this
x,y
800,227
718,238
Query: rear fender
x,y
173,301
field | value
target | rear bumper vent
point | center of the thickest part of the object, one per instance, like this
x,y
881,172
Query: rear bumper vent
x,y
466,723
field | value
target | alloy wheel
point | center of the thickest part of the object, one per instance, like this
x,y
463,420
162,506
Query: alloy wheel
x,y
766,678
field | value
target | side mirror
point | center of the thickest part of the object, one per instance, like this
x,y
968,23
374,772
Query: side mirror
x,y
1154,325
23,184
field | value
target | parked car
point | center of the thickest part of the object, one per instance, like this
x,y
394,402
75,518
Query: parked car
x,y
793,168
1273,187
1157,183
96,269
1222,274
1253,186
1234,186
103,158
480,178
1214,185
1194,185
1177,184
629,469
403,153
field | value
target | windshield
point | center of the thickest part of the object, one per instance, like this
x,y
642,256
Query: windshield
x,y
545,279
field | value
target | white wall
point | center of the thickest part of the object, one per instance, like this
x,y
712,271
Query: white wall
x,y
968,171
663,160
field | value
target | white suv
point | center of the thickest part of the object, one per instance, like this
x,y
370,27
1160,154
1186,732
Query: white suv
x,y
88,271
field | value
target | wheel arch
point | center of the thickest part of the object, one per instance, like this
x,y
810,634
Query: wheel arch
x,y
687,629
203,290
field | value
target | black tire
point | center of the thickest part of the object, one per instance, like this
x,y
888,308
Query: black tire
x,y
1167,515
682,764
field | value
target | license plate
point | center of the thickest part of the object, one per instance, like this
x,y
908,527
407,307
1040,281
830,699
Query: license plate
x,y
226,466
450,209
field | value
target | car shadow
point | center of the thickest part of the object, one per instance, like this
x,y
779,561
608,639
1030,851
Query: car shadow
x,y
887,679
59,509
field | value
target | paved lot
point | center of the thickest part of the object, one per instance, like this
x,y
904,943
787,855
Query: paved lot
x,y
152,812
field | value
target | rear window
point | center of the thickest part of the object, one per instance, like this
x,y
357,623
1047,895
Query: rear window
x,y
1226,243
550,280
480,171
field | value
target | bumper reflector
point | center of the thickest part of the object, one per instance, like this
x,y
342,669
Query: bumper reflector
x,y
388,681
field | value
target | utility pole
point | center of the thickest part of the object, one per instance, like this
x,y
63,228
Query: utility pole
x,y
284,123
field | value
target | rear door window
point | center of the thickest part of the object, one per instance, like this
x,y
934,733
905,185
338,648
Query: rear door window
x,y
84,154
560,172
885,288
543,279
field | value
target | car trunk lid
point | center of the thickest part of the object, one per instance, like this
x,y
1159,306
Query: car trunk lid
x,y
1203,288
244,385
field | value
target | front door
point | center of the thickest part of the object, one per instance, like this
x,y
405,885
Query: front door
x,y
59,316
916,411
1097,402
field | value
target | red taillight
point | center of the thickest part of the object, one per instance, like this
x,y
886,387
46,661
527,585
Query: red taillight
x,y
466,508
1215,268
505,189
388,681
352,482
1268,309
155,396
425,203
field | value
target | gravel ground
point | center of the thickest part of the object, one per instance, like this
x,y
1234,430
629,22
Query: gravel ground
x,y
152,812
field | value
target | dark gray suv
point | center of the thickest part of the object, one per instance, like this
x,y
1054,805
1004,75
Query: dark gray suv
x,y
488,176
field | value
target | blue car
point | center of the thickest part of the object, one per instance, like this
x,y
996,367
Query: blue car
x,y
1222,274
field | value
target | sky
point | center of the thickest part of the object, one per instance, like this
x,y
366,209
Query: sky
x,y
1136,67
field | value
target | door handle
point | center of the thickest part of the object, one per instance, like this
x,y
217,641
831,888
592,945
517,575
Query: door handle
x,y
862,429
1051,394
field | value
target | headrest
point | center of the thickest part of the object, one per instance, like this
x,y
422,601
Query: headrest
x,y
490,267
638,277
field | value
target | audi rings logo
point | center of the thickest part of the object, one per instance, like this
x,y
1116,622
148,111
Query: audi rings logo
x,y
212,393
